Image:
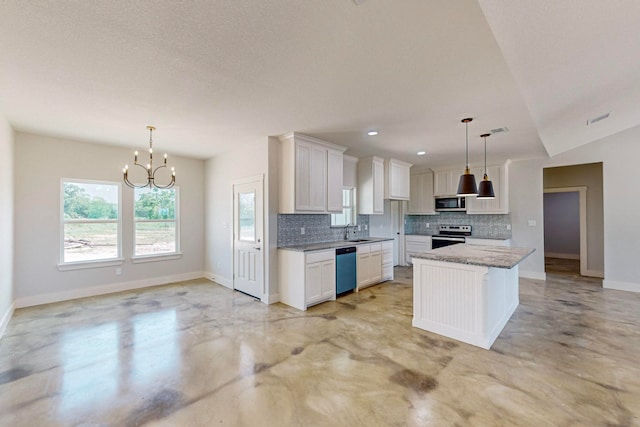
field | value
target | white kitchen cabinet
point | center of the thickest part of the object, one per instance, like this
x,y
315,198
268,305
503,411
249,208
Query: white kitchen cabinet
x,y
369,264
371,186
396,179
445,183
387,260
500,205
334,180
421,201
307,278
414,245
488,242
310,175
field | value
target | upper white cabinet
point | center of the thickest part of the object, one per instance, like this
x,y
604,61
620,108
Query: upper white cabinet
x,y
310,175
500,205
421,201
445,183
396,179
371,186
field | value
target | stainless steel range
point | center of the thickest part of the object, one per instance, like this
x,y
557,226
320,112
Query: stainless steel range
x,y
450,235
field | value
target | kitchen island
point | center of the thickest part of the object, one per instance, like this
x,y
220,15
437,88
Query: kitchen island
x,y
466,292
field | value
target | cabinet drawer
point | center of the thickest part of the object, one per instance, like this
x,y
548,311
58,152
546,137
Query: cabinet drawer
x,y
387,246
387,271
375,247
417,248
363,249
418,239
387,257
320,256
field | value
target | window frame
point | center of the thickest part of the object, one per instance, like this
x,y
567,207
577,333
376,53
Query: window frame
x,y
354,215
177,253
103,262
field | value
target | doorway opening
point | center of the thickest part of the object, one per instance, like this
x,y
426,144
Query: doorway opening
x,y
573,220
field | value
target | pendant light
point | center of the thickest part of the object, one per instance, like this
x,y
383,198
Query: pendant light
x,y
467,185
485,189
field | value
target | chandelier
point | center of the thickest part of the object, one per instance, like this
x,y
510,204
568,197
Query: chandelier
x,y
151,172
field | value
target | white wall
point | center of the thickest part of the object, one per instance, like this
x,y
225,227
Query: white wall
x,y
619,154
40,164
6,223
562,225
220,173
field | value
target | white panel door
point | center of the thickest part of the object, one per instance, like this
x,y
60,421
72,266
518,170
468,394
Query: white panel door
x,y
248,261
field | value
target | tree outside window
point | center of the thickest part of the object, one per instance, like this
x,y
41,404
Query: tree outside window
x,y
156,221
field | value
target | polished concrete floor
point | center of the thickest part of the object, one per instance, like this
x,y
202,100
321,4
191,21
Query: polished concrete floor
x,y
198,354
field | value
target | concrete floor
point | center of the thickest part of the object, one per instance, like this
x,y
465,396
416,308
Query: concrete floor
x,y
197,354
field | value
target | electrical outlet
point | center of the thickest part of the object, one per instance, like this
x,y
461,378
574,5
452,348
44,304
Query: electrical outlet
x,y
508,226
301,230
426,225
532,223
366,227
118,271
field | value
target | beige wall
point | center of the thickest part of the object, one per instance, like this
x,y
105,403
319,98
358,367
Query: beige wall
x,y
40,164
589,175
6,223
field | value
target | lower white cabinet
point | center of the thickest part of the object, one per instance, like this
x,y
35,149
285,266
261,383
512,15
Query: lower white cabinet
x,y
369,267
487,242
387,260
307,278
415,245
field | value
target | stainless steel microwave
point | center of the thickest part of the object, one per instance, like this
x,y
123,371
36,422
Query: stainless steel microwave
x,y
450,204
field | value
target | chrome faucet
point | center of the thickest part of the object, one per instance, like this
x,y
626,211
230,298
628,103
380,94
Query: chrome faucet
x,y
346,231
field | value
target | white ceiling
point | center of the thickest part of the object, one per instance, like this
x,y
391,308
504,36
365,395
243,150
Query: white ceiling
x,y
217,74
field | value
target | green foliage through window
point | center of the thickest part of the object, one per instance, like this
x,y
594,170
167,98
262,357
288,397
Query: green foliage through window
x,y
155,204
79,204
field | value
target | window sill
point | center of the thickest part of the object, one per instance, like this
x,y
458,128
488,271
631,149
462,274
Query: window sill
x,y
153,258
81,265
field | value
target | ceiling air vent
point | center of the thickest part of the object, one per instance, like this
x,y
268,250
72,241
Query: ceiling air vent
x,y
597,119
500,130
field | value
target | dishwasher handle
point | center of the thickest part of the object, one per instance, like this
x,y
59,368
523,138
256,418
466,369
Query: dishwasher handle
x,y
343,251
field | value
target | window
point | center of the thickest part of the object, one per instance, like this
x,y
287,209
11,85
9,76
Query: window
x,y
156,222
348,215
90,221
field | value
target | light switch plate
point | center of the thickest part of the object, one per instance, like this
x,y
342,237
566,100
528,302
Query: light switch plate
x,y
508,226
301,230
532,223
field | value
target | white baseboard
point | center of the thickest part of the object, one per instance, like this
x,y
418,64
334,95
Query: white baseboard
x,y
6,318
104,289
621,286
271,299
561,256
221,280
594,273
535,275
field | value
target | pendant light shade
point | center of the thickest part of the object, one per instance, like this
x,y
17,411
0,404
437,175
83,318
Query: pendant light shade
x,y
467,185
485,189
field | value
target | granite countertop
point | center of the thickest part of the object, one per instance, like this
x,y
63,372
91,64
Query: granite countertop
x,y
333,245
482,255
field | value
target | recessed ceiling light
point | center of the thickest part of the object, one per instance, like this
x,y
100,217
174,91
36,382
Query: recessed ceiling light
x,y
421,153
372,133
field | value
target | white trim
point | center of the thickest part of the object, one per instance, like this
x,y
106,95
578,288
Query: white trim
x,y
595,273
221,280
300,136
82,265
561,256
270,299
582,193
621,286
175,220
104,289
153,258
535,275
6,318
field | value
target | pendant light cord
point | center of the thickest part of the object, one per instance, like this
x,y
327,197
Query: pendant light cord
x,y
466,127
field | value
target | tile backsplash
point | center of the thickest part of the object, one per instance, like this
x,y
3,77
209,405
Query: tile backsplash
x,y
317,229
483,226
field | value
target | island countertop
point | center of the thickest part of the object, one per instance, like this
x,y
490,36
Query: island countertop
x,y
481,255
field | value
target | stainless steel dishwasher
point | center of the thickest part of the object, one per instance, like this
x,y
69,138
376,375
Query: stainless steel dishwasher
x,y
346,278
